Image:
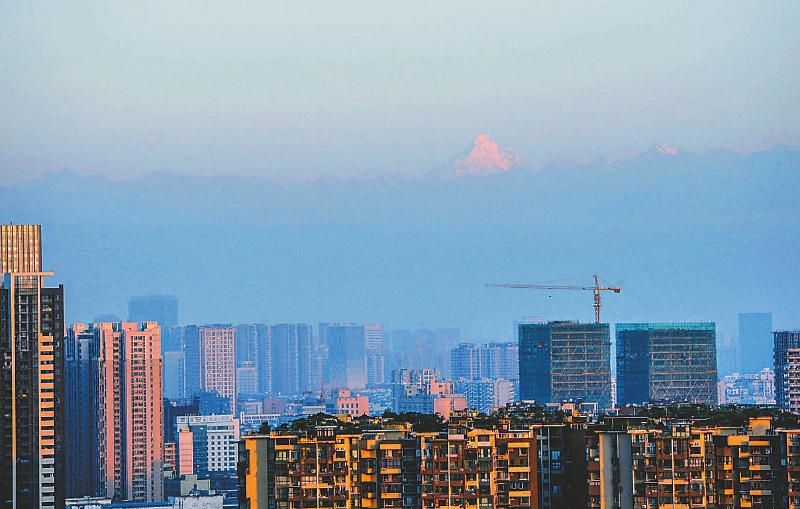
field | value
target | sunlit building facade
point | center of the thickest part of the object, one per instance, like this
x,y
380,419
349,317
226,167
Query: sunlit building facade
x,y
32,469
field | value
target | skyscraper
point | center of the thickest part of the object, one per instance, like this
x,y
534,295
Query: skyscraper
x,y
373,348
129,406
787,368
246,344
373,336
470,361
218,361
20,248
264,359
192,361
174,375
295,356
500,360
347,362
755,341
81,414
565,361
465,362
154,308
668,362
31,375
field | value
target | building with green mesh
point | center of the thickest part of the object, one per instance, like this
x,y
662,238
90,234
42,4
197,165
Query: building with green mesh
x,y
666,362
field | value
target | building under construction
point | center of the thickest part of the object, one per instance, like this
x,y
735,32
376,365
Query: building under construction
x,y
667,362
561,361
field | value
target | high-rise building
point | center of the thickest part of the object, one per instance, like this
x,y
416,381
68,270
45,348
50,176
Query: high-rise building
x,y
376,369
172,338
561,361
347,362
373,348
666,362
248,357
32,400
129,406
264,359
192,361
787,367
154,308
247,378
373,336
500,360
755,341
20,248
246,344
218,360
465,362
81,415
174,375
497,360
293,356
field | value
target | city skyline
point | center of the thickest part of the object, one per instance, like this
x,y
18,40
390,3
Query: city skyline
x,y
415,254
317,255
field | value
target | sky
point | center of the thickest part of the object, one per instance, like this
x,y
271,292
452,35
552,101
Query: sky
x,y
295,90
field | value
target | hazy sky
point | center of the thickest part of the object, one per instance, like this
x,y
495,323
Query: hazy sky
x,y
292,90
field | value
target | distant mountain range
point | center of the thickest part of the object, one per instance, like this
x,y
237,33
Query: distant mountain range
x,y
689,236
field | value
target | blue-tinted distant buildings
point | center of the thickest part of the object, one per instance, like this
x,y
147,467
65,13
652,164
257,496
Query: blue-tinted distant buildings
x,y
347,362
787,369
561,361
666,362
486,395
294,356
498,360
755,342
154,308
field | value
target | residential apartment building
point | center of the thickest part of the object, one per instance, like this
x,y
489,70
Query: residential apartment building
x,y
32,395
787,377
206,444
295,359
498,360
218,360
486,394
389,468
128,411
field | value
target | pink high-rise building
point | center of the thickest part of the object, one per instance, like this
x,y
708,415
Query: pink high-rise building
x,y
218,360
129,413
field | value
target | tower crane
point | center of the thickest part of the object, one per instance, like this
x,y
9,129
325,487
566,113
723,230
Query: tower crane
x,y
596,290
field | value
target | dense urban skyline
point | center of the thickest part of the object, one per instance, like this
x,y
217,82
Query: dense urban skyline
x,y
352,255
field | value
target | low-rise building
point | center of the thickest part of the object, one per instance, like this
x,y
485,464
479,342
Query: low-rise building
x,y
419,391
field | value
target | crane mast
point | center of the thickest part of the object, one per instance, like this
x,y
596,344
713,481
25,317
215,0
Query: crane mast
x,y
596,290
